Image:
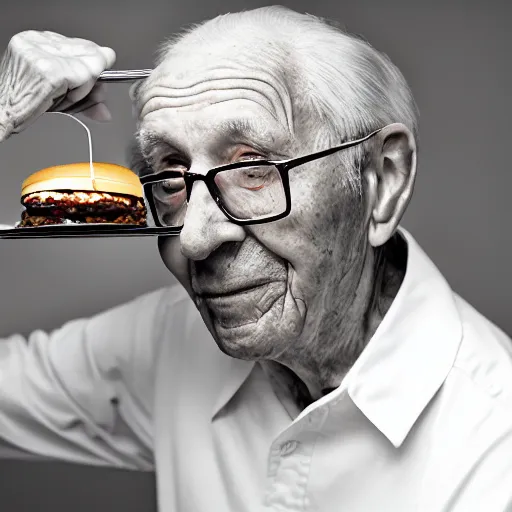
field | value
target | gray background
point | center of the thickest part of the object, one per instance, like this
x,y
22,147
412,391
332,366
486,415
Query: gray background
x,y
456,56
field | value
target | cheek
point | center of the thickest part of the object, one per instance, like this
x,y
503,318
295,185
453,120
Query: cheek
x,y
303,235
324,227
324,206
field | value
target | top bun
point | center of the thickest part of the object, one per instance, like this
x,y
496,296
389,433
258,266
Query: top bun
x,y
110,178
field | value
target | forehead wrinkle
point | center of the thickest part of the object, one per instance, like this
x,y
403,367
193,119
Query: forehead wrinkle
x,y
202,101
225,84
224,79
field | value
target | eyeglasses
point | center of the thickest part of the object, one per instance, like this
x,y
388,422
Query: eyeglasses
x,y
250,192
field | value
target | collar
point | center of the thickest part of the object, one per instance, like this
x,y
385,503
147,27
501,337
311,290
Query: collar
x,y
405,362
412,351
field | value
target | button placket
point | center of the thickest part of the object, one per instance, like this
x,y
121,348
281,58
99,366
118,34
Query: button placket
x,y
290,462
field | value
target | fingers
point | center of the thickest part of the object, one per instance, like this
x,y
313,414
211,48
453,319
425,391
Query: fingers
x,y
92,106
86,70
109,55
54,72
75,102
94,92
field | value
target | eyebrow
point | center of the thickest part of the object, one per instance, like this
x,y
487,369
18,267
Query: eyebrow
x,y
228,133
254,134
147,141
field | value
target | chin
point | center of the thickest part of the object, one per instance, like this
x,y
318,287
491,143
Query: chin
x,y
266,338
244,342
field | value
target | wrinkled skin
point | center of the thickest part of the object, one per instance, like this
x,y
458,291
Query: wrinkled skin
x,y
46,71
292,292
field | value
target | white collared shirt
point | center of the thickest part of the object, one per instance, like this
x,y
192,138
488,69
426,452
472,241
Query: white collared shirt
x,y
422,422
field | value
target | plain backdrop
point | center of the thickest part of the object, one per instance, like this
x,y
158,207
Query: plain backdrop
x,y
456,57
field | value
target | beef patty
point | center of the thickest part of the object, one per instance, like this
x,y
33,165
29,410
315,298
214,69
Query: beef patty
x,y
61,207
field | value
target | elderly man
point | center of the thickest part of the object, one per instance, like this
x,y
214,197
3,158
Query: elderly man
x,y
349,376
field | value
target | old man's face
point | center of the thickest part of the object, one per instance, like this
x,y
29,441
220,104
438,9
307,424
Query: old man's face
x,y
260,288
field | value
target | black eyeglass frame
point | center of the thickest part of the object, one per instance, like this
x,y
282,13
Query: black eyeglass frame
x,y
283,167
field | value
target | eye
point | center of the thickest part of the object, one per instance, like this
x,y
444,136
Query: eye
x,y
173,185
248,156
251,156
255,178
170,191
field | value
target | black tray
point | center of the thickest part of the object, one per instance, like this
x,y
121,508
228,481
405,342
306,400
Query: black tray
x,y
86,231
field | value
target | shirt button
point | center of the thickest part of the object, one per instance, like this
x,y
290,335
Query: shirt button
x,y
288,448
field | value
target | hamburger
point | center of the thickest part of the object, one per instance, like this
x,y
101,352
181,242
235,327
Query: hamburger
x,y
66,194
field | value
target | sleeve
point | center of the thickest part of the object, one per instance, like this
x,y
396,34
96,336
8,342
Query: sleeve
x,y
84,392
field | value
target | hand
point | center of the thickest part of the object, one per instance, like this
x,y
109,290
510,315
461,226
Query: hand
x,y
45,71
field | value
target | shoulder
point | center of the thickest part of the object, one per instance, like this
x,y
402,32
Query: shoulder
x,y
157,300
148,309
472,411
484,358
468,426
129,334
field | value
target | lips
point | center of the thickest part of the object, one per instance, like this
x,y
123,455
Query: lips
x,y
238,283
226,291
242,306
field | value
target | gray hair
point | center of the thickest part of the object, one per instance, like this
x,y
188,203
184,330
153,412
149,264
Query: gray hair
x,y
341,87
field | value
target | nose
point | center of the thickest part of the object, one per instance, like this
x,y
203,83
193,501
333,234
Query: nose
x,y
205,227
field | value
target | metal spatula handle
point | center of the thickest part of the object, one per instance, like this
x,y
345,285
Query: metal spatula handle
x,y
124,75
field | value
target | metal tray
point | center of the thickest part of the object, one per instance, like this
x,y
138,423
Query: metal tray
x,y
86,231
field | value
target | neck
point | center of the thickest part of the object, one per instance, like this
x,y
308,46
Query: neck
x,y
323,362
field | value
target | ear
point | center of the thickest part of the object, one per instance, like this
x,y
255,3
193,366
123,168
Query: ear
x,y
389,180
